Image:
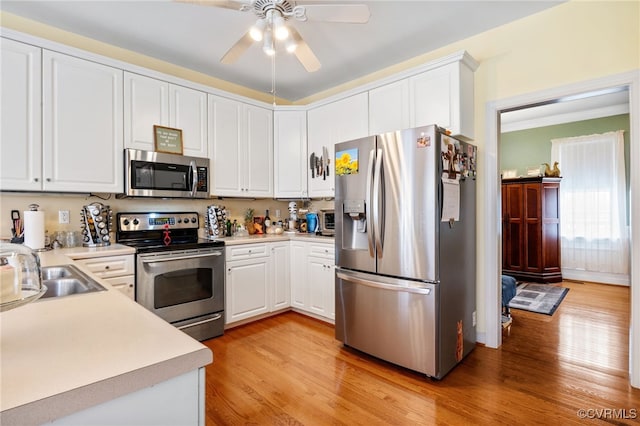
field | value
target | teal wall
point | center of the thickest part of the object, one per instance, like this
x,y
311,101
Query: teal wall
x,y
529,148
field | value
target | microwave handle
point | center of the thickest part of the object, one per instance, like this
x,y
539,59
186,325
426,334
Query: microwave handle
x,y
194,178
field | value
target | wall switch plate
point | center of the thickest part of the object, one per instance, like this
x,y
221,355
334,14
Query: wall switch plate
x,y
63,216
474,318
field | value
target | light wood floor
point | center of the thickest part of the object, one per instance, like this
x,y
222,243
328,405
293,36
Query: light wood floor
x,y
289,370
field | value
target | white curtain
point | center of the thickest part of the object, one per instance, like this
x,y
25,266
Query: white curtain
x,y
593,221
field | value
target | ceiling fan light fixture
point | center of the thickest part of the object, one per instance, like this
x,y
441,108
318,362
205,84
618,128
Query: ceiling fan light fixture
x,y
257,30
280,28
291,45
268,47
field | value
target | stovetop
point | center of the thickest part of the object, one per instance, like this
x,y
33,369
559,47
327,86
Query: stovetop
x,y
155,247
161,231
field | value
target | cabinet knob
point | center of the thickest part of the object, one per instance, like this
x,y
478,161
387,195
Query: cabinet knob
x,y
106,267
36,179
48,179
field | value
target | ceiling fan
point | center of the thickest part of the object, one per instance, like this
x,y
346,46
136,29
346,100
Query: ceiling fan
x,y
271,25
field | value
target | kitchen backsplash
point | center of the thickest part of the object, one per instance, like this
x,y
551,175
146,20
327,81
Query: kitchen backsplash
x,y
52,203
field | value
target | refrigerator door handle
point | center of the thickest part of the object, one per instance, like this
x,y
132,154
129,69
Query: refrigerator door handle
x,y
367,202
357,280
378,206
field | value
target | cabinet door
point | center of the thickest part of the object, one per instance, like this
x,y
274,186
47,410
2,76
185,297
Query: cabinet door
x,y
225,116
188,112
318,291
20,117
389,108
290,154
258,152
280,276
330,283
82,131
146,103
125,285
299,284
430,97
329,124
247,289
320,133
513,225
532,227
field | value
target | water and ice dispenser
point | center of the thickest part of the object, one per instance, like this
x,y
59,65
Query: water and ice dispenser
x,y
354,225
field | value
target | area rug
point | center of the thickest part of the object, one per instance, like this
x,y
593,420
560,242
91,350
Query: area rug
x,y
539,298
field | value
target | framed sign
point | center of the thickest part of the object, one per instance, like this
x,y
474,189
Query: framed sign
x,y
167,139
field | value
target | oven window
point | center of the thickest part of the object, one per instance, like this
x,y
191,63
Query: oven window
x,y
183,286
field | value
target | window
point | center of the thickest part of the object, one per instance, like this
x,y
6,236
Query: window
x,y
594,232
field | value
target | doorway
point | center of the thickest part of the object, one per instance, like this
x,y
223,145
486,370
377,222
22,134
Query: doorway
x,y
492,220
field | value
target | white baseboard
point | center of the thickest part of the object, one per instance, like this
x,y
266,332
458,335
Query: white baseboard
x,y
596,277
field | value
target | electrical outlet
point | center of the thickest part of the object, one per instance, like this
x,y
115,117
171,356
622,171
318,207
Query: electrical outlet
x,y
63,216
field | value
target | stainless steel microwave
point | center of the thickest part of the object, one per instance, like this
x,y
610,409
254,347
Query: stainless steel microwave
x,y
156,174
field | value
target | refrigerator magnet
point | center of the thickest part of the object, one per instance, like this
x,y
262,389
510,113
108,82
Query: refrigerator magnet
x,y
347,162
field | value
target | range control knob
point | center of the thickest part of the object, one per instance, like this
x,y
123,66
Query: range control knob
x,y
136,222
125,222
194,220
185,220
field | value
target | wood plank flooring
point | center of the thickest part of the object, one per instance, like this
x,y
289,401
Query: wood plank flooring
x,y
289,370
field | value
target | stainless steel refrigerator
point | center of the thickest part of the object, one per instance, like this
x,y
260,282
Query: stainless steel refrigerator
x,y
405,219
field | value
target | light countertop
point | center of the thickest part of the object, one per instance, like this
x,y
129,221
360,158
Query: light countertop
x,y
268,238
61,355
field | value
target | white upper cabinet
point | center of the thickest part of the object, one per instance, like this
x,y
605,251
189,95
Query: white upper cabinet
x,y
259,151
149,101
290,154
188,112
442,95
389,107
21,117
327,125
241,147
82,125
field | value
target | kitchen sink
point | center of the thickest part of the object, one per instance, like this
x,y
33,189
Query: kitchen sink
x,y
66,280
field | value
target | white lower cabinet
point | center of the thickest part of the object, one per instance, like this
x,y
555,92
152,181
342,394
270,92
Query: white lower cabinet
x,y
270,277
312,278
258,280
299,285
280,276
247,289
119,271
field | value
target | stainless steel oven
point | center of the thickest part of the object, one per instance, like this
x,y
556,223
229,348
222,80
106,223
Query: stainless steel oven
x,y
184,287
179,277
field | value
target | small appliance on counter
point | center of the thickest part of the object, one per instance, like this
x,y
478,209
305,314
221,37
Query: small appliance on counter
x,y
96,225
215,222
327,219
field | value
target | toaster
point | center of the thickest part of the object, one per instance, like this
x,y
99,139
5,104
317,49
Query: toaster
x,y
327,219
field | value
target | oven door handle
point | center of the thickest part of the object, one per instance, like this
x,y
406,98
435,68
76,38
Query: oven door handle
x,y
168,258
213,318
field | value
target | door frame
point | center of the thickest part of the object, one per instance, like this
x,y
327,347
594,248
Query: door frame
x,y
492,223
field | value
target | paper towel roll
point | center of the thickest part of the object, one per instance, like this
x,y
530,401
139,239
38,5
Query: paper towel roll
x,y
34,229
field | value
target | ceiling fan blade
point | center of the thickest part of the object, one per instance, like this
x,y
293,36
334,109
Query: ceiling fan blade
x,y
226,4
304,53
237,49
347,13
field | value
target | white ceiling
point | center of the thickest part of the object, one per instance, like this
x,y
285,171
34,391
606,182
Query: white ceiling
x,y
196,37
